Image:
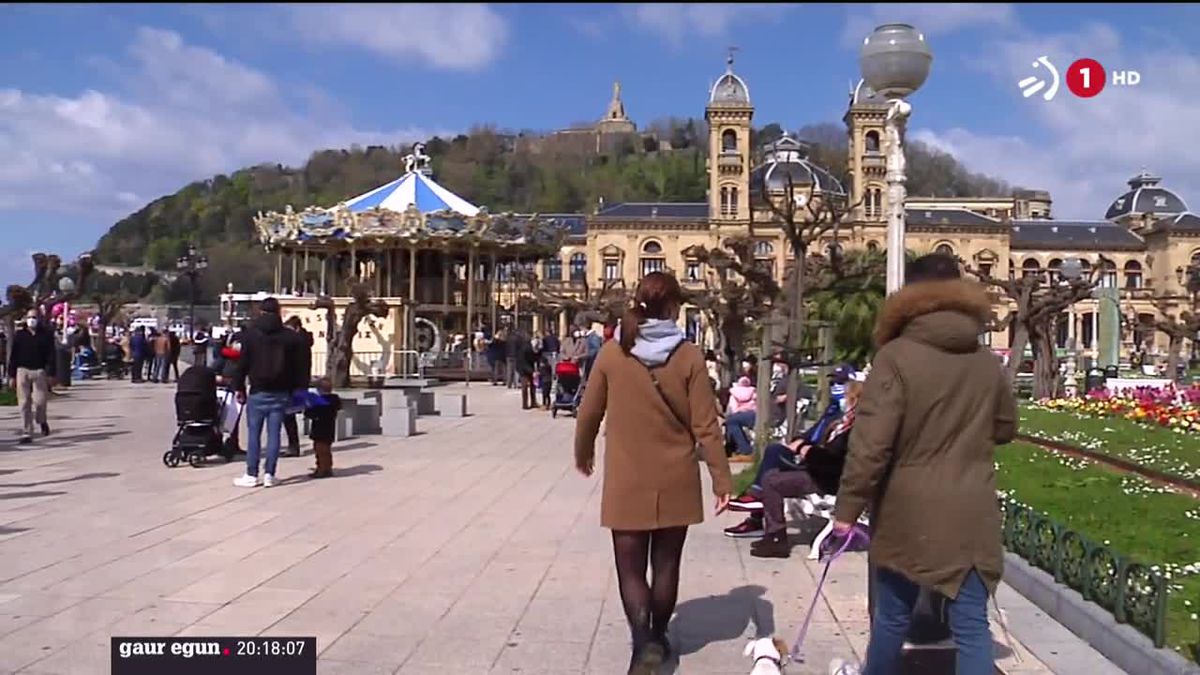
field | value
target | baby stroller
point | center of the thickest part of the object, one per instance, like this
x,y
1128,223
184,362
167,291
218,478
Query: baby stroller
x,y
568,388
199,416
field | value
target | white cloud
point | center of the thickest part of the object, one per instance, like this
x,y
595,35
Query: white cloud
x,y
454,36
675,22
931,19
1092,146
184,114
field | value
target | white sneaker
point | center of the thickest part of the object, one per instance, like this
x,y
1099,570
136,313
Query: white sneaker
x,y
842,667
268,480
246,481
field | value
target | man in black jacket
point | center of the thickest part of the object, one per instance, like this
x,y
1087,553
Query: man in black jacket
x,y
271,359
30,365
289,420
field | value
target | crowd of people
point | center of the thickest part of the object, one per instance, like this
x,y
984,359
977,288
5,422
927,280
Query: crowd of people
x,y
912,441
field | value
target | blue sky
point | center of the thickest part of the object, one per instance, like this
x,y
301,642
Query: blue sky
x,y
104,108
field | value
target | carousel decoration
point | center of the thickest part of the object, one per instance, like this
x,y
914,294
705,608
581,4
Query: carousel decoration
x,y
413,243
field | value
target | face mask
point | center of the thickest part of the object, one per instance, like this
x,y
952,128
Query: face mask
x,y
745,365
777,371
31,323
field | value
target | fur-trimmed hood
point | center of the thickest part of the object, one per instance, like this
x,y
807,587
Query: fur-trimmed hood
x,y
949,315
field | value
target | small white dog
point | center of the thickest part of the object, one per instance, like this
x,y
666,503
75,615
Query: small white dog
x,y
770,655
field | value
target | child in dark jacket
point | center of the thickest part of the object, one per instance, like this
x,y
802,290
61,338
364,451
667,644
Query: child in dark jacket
x,y
324,421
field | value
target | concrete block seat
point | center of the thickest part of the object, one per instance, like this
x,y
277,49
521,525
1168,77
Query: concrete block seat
x,y
818,506
399,421
451,405
367,410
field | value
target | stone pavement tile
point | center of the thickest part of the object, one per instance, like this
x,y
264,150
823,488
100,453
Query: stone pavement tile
x,y
163,582
326,625
536,656
461,642
119,572
326,667
161,618
231,582
559,620
388,652
82,657
42,638
401,619
257,610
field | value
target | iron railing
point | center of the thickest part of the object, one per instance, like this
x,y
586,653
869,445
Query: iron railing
x,y
1134,593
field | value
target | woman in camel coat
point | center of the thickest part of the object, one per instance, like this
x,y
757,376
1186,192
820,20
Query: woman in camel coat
x,y
653,388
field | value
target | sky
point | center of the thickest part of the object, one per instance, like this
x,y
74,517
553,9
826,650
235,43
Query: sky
x,y
105,108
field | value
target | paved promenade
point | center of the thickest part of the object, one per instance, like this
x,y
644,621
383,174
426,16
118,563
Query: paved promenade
x,y
472,548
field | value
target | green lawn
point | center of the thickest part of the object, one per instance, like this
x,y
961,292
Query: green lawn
x,y
1125,512
1153,447
8,396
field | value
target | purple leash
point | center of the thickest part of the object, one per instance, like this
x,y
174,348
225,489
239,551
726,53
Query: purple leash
x,y
850,536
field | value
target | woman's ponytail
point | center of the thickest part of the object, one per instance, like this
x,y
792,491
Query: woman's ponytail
x,y
633,318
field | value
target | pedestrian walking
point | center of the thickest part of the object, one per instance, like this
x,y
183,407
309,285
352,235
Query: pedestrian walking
x,y
175,349
140,352
650,387
270,359
932,410
305,366
30,368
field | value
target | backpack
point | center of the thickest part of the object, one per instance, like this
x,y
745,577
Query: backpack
x,y
271,361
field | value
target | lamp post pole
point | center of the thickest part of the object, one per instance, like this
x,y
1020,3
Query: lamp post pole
x,y
191,264
897,119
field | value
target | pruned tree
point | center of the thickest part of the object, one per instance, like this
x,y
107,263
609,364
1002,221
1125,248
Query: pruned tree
x,y
46,289
339,340
1040,299
1177,325
604,305
807,215
737,289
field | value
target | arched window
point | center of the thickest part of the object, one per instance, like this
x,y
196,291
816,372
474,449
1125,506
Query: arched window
x,y
1109,276
724,201
579,267
1133,274
1031,267
873,246
552,269
733,201
872,140
729,141
1055,268
729,201
873,202
764,256
944,249
652,258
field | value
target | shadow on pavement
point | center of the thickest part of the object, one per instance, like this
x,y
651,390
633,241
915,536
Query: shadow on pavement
x,y
359,445
338,472
6,530
721,618
30,494
82,476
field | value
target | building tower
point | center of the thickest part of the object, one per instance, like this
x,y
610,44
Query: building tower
x,y
729,113
868,167
615,121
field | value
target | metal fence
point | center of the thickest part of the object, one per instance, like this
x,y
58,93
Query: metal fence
x,y
1133,592
406,363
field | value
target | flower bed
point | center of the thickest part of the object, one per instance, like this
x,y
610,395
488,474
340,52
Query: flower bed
x,y
1118,513
1174,408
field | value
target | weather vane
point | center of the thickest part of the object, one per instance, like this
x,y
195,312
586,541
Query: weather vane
x,y
732,50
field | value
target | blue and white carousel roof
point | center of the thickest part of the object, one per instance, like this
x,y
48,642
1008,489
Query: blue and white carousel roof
x,y
412,189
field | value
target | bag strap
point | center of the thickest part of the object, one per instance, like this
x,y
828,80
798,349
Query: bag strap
x,y
658,387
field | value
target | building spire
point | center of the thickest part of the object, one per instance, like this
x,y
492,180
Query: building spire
x,y
729,59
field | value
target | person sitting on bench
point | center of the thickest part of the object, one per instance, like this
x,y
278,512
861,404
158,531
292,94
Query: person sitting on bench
x,y
808,465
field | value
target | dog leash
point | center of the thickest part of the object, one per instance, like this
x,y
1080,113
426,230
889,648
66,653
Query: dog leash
x,y
850,536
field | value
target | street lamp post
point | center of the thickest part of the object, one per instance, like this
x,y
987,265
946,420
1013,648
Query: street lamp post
x,y
191,264
895,62
1190,278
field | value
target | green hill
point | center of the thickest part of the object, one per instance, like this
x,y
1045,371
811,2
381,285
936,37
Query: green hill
x,y
505,172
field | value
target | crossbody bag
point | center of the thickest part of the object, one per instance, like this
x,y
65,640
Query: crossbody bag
x,y
658,387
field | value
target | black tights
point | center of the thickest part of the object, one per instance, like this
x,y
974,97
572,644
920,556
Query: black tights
x,y
648,606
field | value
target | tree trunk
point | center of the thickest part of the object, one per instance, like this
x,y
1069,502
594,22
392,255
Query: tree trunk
x,y
1017,354
1045,366
1175,342
795,338
735,347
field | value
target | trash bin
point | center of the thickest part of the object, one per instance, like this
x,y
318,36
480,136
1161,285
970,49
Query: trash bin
x,y
1111,372
1094,380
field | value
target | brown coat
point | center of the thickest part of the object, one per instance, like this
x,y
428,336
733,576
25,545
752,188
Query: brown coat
x,y
651,472
922,452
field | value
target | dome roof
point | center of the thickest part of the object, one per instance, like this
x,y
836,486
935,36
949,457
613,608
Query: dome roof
x,y
1145,197
786,160
729,89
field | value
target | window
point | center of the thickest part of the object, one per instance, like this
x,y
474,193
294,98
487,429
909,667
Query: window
x,y
985,269
579,267
1109,277
552,269
944,249
764,256
873,202
1055,268
872,141
873,246
728,141
1133,274
1031,267
1062,330
612,269
691,270
729,201
652,258
1088,330
503,271
691,325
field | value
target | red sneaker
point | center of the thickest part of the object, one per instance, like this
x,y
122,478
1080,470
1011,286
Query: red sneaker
x,y
746,503
749,528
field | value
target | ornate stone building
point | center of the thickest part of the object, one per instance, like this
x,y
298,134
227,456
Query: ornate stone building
x,y
1147,231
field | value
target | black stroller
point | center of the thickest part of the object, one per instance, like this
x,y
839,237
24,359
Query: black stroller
x,y
199,417
568,388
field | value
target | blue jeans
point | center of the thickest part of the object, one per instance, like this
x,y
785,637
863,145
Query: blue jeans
x,y
735,430
772,459
161,364
895,597
264,407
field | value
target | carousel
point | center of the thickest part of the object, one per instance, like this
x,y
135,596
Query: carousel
x,y
436,260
